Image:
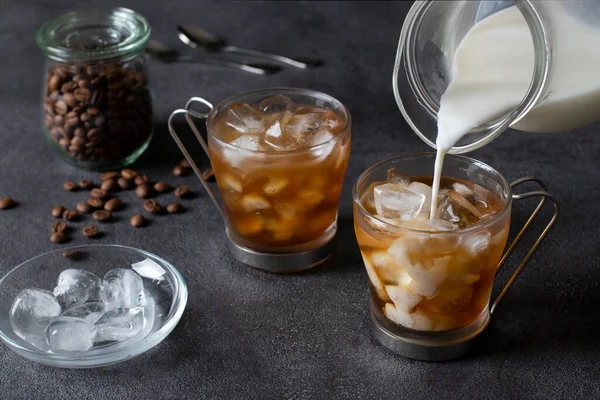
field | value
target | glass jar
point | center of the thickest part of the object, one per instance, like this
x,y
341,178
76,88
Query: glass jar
x,y
97,107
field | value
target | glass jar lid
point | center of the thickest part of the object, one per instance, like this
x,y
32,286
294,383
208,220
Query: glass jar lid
x,y
92,35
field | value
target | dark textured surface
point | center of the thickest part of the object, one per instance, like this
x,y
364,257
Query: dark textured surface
x,y
247,334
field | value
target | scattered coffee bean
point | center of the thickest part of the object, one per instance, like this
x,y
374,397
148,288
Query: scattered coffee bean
x,y
182,191
59,226
208,174
137,220
57,211
140,179
86,184
99,193
143,191
180,170
175,208
109,175
152,206
102,215
95,202
109,185
162,187
184,163
113,205
125,184
128,173
84,207
70,186
58,237
71,253
90,231
7,203
70,215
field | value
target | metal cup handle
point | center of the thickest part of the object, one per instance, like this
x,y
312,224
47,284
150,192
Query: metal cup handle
x,y
544,196
188,117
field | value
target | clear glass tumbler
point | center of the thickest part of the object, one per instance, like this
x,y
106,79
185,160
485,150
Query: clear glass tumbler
x,y
431,289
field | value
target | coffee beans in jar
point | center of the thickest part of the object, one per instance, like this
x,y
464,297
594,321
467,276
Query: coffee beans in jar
x,y
97,104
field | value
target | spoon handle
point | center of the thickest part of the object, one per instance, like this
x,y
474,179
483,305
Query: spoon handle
x,y
267,56
253,69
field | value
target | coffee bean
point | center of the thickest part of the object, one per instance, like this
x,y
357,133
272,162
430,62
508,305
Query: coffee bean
x,y
184,163
125,184
208,174
175,208
182,191
102,215
143,191
90,231
60,107
98,193
57,211
113,205
140,179
109,175
59,226
137,220
70,186
7,203
54,83
71,253
162,187
129,173
181,170
58,237
84,207
152,206
70,215
86,184
109,185
82,95
95,202
69,99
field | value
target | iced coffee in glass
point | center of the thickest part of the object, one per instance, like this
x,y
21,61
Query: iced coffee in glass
x,y
279,158
431,278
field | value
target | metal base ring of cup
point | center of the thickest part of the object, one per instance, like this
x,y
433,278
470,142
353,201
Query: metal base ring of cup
x,y
433,351
282,262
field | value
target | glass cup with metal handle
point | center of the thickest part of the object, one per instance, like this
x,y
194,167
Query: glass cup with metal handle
x,y
431,279
279,157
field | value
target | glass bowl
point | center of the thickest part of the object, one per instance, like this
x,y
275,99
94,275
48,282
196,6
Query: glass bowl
x,y
165,285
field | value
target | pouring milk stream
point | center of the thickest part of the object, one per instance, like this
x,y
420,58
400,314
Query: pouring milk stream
x,y
491,73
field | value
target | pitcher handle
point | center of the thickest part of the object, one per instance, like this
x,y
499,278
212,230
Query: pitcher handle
x,y
188,117
544,196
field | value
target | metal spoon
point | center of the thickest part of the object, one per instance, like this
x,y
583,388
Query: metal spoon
x,y
164,53
195,37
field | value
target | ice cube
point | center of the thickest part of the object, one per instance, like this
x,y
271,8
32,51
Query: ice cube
x,y
402,298
247,142
311,196
397,201
451,299
396,176
464,191
477,243
70,334
276,104
245,119
314,120
77,286
388,270
123,288
415,320
277,138
120,324
30,315
231,183
275,185
254,202
244,149
455,208
426,191
150,269
88,311
375,280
